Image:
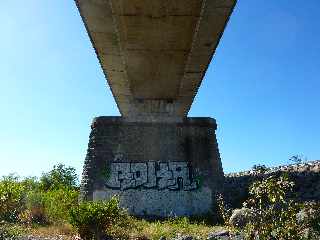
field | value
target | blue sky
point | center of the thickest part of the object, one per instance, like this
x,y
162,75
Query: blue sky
x,y
262,86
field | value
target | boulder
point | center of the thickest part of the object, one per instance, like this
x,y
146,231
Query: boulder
x,y
221,235
241,217
225,235
305,215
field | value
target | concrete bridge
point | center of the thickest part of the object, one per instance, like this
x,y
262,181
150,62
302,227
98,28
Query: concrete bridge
x,y
154,54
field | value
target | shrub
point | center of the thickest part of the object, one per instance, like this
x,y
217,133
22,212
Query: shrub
x,y
224,211
57,204
315,221
46,201
35,209
59,177
12,197
275,215
9,231
30,184
309,216
93,219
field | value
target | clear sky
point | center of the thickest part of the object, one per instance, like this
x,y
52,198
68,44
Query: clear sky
x,y
262,86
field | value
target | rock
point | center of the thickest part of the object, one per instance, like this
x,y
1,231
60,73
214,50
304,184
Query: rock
x,y
316,169
224,234
145,238
301,216
241,217
305,215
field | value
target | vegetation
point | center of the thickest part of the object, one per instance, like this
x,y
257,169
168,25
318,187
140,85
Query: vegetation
x,y
59,177
260,169
170,228
10,231
273,215
95,219
37,202
298,158
49,206
12,196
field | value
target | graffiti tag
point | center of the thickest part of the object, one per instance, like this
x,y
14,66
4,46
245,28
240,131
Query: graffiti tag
x,y
159,175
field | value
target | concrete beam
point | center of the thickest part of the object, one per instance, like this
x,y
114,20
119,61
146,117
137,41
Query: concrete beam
x,y
155,53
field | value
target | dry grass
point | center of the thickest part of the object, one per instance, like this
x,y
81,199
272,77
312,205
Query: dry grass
x,y
135,229
153,230
64,230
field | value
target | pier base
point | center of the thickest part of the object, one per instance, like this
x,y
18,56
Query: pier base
x,y
157,169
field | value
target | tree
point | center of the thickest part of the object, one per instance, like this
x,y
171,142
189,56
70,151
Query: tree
x,y
298,159
259,168
59,177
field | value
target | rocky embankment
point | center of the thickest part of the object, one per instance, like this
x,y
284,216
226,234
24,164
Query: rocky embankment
x,y
306,177
312,166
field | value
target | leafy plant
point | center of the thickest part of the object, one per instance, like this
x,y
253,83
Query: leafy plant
x,y
35,209
59,177
275,215
309,216
10,231
260,169
30,184
57,204
223,210
12,197
32,201
93,219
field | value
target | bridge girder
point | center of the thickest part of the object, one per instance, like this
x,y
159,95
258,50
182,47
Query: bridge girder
x,y
155,53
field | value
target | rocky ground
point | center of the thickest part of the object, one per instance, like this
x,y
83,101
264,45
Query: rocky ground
x,y
61,237
221,235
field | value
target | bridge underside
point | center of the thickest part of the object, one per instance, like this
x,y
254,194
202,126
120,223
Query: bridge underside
x,y
155,53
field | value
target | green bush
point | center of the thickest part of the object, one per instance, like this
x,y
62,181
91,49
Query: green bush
x,y
49,207
10,231
32,201
275,215
30,184
224,212
94,219
315,221
57,204
12,196
59,177
35,209
309,216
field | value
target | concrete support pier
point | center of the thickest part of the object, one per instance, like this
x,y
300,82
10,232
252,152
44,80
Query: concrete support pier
x,y
157,169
